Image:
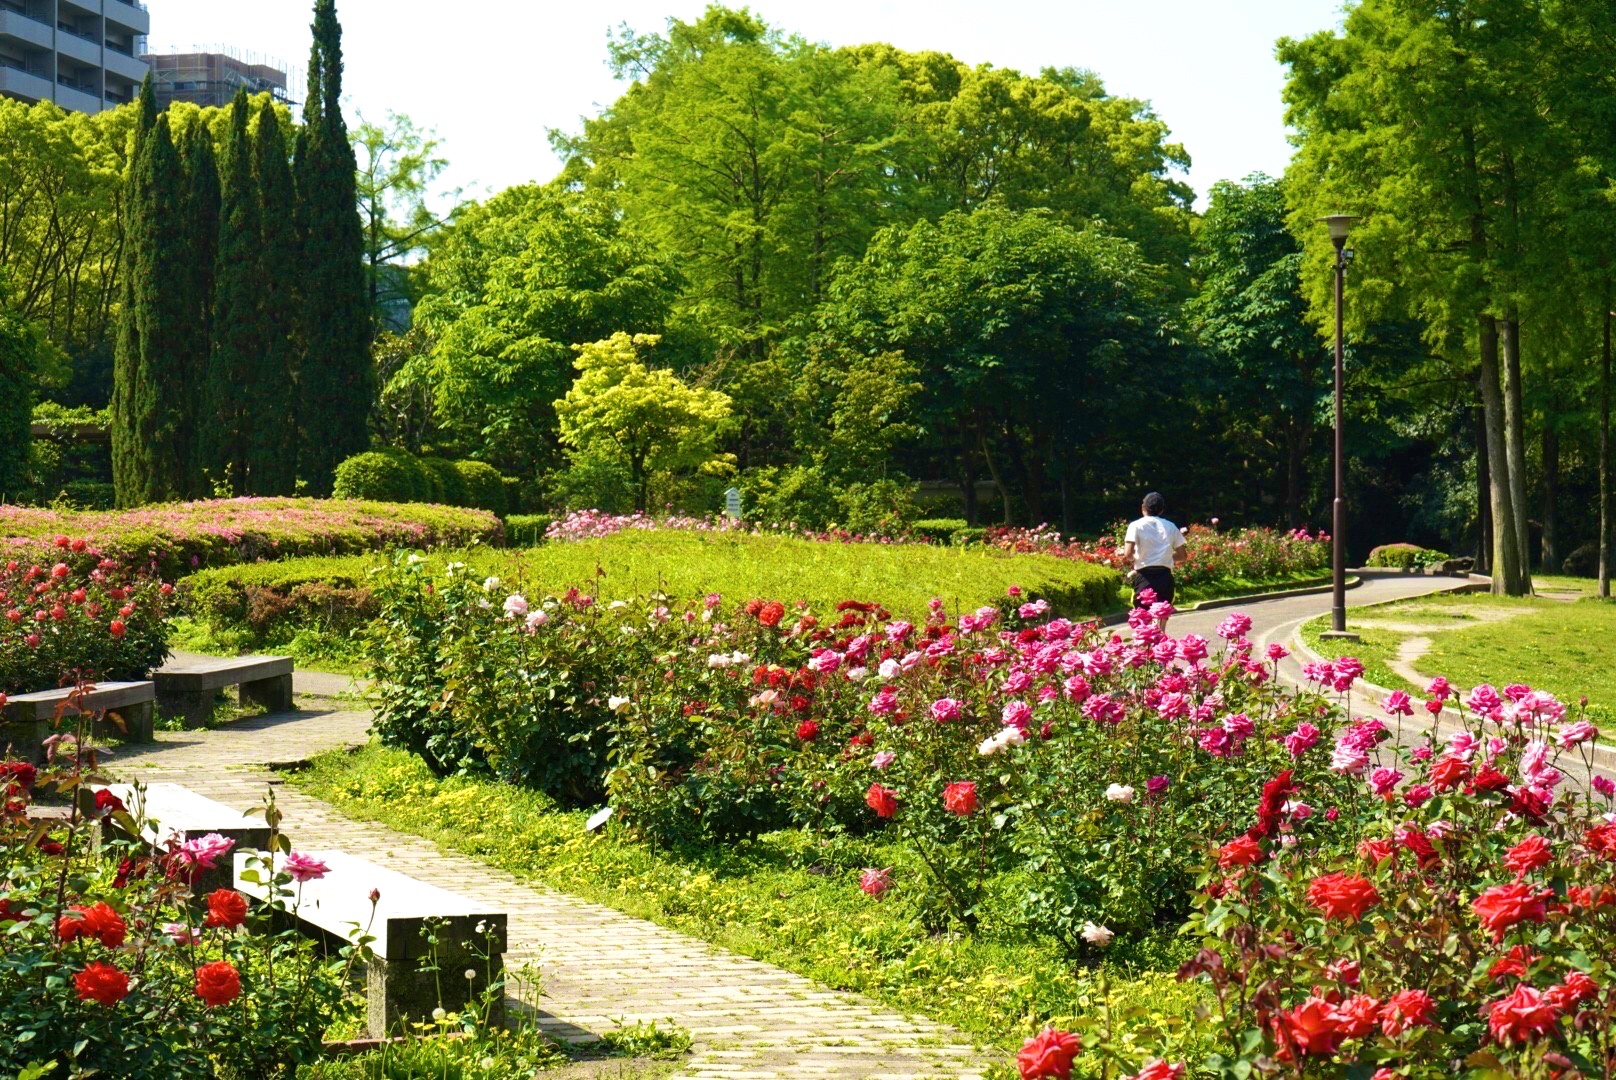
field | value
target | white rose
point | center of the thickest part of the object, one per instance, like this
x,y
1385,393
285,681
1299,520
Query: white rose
x,y
617,704
858,674
490,584
1095,934
1121,793
889,668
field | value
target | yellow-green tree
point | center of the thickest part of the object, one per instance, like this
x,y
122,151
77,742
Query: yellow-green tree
x,y
622,412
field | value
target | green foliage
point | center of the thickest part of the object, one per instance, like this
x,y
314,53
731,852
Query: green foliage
x,y
270,605
644,419
448,483
273,437
22,353
382,475
202,219
336,378
526,530
1405,556
485,488
937,530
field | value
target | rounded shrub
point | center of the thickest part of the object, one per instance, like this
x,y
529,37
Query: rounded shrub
x,y
526,530
448,486
1405,556
937,530
379,475
485,488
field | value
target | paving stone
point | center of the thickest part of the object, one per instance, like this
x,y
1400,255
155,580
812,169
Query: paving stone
x,y
748,1019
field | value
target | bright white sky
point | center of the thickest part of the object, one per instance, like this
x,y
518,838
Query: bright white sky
x,y
492,76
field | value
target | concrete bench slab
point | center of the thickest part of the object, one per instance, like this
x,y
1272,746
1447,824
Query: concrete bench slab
x,y
30,718
401,985
186,690
173,812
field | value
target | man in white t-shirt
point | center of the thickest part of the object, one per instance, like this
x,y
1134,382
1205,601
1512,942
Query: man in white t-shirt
x,y
1154,546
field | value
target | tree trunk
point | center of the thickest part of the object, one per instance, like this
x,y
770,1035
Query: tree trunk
x,y
993,472
1296,439
1551,496
1604,458
1509,337
1506,560
1484,506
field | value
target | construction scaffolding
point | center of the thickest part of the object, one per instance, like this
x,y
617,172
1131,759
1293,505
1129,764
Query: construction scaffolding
x,y
211,74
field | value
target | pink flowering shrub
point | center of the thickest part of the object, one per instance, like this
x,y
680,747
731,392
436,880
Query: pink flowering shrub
x,y
1251,554
113,963
175,538
1466,915
77,614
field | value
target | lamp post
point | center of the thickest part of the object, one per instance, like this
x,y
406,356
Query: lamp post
x,y
1339,225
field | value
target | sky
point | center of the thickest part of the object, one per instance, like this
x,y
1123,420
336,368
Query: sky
x,y
492,77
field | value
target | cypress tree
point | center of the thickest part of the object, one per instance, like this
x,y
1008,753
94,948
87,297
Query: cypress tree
x,y
238,330
127,451
151,460
336,379
275,434
202,222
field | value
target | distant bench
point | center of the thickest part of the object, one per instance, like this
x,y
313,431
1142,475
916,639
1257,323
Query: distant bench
x,y
187,690
30,718
397,989
172,811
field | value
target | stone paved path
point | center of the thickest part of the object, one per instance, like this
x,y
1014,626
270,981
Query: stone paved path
x,y
749,1019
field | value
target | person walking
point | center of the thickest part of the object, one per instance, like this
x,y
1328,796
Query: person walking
x,y
1154,545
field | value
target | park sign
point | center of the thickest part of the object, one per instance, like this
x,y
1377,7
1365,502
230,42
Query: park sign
x,y
732,502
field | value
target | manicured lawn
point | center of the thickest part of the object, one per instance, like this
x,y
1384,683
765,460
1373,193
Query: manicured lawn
x,y
788,898
1564,647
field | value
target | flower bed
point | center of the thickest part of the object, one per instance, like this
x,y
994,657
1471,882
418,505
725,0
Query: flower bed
x,y
78,614
1252,555
111,964
176,538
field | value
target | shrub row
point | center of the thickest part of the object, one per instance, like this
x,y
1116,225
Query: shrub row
x,y
395,476
266,605
1250,555
1405,556
175,538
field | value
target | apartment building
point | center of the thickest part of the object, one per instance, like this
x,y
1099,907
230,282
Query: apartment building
x,y
82,54
212,78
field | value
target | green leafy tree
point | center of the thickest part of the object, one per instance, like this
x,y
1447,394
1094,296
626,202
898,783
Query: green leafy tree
x,y
150,417
201,218
336,377
273,446
622,412
23,350
397,166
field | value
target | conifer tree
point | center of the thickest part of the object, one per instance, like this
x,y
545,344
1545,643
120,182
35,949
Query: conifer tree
x,y
202,222
150,401
274,447
238,328
336,379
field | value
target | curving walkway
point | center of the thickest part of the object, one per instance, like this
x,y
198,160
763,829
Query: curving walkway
x,y
599,966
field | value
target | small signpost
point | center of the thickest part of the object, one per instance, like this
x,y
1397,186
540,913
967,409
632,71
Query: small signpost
x,y
732,502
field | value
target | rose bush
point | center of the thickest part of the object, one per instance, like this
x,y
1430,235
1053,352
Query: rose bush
x,y
111,965
78,614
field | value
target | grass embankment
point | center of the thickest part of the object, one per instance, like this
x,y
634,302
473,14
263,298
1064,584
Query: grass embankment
x,y
787,898
1558,645
1226,587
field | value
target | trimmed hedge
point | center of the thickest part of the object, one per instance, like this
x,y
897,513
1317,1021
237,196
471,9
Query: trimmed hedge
x,y
526,530
937,530
396,476
268,604
1405,556
448,485
485,488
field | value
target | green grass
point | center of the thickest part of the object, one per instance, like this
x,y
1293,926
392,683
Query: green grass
x,y
787,898
1224,587
1558,646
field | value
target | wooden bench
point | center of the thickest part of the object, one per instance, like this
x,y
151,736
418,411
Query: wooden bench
x,y
187,690
174,812
398,990
30,718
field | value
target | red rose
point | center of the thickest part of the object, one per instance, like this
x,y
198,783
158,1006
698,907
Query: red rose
x,y
1377,851
1049,1053
1585,896
217,983
1576,989
1310,1028
1241,851
1157,1069
1448,772
97,921
1502,906
1490,779
226,908
1407,1009
1525,1013
1357,1016
882,800
116,627
107,803
1514,963
1601,840
1342,896
101,982
960,798
808,730
1528,855
771,613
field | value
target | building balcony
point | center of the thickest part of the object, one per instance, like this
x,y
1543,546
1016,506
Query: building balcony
x,y
83,50
24,84
77,98
127,66
126,18
20,27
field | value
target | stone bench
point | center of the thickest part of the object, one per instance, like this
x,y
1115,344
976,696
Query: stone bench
x,y
398,990
187,690
172,812
30,719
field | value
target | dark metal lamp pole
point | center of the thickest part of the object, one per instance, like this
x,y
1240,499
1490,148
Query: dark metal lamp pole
x,y
1339,225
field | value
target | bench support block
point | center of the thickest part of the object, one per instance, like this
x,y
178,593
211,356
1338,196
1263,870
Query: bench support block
x,y
399,992
193,707
274,694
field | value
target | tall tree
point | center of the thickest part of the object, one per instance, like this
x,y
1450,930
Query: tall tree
x,y
273,445
397,166
23,349
235,409
201,219
150,400
336,378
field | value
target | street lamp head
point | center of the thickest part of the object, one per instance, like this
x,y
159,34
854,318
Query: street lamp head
x,y
1339,224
